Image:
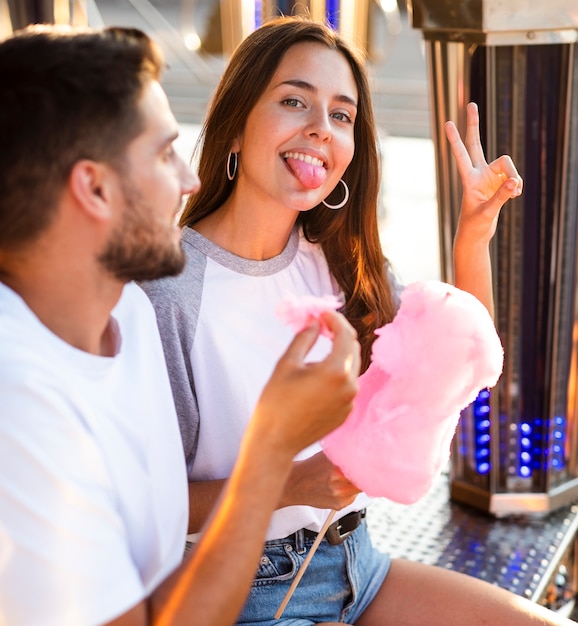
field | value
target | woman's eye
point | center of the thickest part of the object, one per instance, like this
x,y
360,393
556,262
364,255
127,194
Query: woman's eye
x,y
292,102
342,117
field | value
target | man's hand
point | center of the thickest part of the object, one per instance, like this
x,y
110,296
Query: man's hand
x,y
304,401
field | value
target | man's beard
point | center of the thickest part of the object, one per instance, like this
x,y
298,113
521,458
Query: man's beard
x,y
137,249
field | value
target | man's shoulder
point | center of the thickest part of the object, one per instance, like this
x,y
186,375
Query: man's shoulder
x,y
18,330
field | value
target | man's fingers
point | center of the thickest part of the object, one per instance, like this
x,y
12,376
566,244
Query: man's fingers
x,y
345,345
345,351
303,342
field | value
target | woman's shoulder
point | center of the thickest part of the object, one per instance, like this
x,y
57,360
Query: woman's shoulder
x,y
186,283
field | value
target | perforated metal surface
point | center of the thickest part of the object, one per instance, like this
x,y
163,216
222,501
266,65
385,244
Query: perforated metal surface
x,y
521,554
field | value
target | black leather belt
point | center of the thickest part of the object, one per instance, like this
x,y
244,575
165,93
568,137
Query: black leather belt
x,y
341,529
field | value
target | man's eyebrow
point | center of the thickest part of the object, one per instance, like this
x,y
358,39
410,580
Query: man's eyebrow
x,y
168,138
303,84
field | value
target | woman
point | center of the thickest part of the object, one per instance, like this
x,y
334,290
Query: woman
x,y
290,175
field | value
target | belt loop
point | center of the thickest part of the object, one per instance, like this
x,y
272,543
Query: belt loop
x,y
300,541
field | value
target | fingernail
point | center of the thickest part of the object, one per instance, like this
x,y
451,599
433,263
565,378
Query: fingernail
x,y
514,189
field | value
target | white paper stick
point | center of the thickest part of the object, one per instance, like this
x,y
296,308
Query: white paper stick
x,y
305,564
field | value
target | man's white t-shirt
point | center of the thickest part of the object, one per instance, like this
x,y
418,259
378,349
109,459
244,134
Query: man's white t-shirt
x,y
93,489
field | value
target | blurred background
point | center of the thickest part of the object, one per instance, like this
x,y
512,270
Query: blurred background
x,y
197,37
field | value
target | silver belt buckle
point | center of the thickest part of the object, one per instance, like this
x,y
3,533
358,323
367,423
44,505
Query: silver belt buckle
x,y
341,529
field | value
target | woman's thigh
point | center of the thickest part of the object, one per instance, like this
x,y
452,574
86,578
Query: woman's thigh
x,y
415,594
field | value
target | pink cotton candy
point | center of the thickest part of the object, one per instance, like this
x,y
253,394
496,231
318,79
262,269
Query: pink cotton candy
x,y
426,366
297,312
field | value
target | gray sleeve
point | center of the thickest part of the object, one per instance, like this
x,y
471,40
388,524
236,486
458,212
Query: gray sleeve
x,y
395,285
176,302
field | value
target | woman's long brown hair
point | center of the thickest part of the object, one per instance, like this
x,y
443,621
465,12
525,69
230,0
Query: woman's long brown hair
x,y
349,236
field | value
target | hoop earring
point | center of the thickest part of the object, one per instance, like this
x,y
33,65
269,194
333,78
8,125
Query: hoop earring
x,y
344,201
231,175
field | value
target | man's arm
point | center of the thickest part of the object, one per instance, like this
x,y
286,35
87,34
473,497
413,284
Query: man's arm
x,y
299,405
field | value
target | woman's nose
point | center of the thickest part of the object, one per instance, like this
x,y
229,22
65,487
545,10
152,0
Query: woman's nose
x,y
319,125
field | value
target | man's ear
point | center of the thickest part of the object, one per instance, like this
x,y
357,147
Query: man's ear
x,y
91,184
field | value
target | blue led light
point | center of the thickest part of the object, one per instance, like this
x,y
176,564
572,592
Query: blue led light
x,y
258,13
482,436
557,461
483,468
332,13
525,428
541,445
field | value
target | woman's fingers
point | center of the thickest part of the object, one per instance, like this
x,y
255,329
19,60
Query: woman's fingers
x,y
470,154
463,160
504,168
511,188
471,161
473,141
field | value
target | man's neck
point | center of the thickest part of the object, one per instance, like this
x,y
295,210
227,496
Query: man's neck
x,y
73,303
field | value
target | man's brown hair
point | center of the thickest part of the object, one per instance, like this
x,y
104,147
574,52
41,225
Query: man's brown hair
x,y
65,95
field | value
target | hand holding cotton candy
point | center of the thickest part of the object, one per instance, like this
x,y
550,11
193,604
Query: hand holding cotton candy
x,y
427,365
297,312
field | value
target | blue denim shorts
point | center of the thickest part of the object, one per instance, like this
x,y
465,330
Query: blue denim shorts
x,y
338,585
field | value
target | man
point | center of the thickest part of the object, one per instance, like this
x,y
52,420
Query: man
x,y
93,489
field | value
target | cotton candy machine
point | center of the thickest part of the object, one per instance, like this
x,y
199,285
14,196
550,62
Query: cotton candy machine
x,y
515,450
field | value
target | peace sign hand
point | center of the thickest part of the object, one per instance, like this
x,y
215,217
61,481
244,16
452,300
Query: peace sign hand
x,y
486,187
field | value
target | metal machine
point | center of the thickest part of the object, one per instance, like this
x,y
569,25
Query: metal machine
x,y
506,511
515,450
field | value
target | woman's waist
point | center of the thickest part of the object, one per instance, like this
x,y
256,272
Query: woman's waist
x,y
288,520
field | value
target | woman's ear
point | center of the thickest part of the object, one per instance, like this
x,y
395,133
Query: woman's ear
x,y
90,184
235,145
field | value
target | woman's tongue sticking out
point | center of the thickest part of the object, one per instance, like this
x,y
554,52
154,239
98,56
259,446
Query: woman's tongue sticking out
x,y
309,171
